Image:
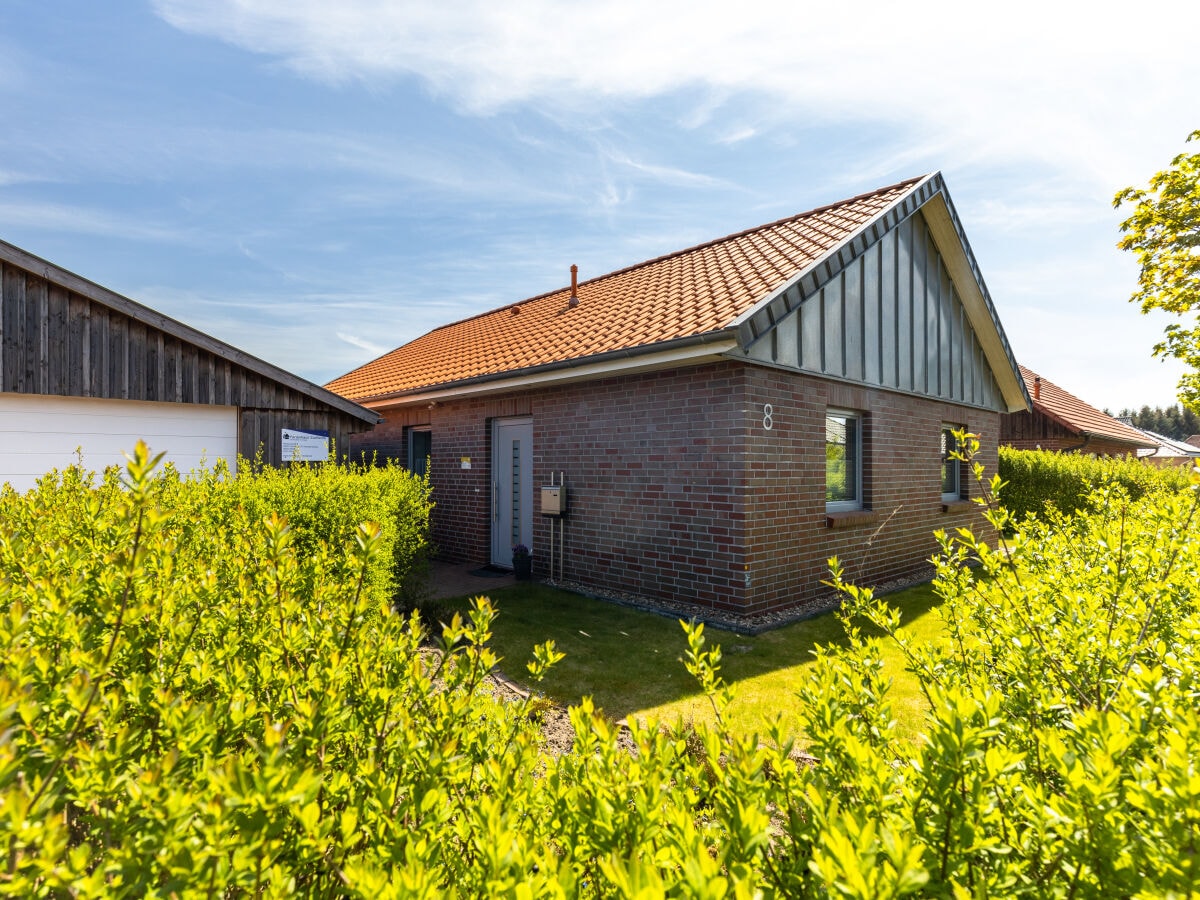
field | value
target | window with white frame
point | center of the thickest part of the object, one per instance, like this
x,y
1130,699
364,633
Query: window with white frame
x,y
843,460
951,468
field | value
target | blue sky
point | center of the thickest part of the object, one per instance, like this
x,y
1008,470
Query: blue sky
x,y
318,182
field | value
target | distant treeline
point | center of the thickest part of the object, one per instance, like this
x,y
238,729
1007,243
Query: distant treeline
x,y
1177,422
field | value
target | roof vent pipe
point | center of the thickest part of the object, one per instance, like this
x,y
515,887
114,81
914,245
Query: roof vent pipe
x,y
574,300
1037,387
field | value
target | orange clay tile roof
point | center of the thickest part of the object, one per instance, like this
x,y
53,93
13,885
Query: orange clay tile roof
x,y
692,292
1071,412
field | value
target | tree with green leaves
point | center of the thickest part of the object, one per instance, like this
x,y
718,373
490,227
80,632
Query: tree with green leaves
x,y
1163,232
1175,421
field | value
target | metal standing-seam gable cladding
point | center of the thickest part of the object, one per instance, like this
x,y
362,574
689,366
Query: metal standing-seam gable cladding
x,y
890,318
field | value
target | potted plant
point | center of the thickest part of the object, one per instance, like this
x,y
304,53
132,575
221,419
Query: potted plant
x,y
522,563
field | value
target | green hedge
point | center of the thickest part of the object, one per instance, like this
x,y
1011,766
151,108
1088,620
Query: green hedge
x,y
199,709
199,701
324,504
1035,478
1059,756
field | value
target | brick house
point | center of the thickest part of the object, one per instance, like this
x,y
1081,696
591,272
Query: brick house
x,y
726,417
1061,421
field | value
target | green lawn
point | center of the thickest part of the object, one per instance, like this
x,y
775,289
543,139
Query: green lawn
x,y
630,661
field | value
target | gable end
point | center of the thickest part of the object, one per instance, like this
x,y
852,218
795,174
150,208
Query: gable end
x,y
900,305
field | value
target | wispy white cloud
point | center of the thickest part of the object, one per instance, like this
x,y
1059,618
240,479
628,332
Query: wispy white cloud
x,y
61,217
1023,80
660,173
362,344
9,177
364,167
315,333
609,196
1008,214
738,134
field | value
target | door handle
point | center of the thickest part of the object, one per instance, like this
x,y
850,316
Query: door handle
x,y
495,501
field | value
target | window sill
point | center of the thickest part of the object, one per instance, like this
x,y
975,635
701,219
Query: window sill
x,y
955,506
850,518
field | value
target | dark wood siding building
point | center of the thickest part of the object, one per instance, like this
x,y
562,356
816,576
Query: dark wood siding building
x,y
62,336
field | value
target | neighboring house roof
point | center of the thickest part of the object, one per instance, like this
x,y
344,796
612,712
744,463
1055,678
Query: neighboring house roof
x,y
1077,416
1194,440
720,295
59,276
1169,447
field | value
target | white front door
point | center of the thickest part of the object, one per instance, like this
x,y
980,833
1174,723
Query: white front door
x,y
512,487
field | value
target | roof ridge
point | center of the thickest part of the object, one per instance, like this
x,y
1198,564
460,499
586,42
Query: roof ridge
x,y
677,253
719,276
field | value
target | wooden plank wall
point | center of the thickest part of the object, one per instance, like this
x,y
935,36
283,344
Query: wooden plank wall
x,y
54,341
1027,429
264,427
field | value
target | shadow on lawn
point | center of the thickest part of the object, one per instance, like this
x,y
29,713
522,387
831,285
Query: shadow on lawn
x,y
630,661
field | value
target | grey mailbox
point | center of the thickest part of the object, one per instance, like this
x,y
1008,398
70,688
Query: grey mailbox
x,y
554,500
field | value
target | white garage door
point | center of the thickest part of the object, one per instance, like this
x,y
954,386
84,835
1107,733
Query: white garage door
x,y
39,433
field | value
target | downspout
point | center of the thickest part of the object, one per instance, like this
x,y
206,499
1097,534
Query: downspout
x,y
1087,439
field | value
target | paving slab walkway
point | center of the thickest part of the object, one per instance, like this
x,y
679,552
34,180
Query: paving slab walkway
x,y
456,580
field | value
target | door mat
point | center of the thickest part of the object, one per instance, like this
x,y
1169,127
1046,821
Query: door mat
x,y
490,571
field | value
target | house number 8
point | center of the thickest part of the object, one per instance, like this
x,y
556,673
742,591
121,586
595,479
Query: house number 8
x,y
768,416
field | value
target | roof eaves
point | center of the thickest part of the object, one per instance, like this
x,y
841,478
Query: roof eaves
x,y
1180,448
1053,395
628,353
1115,439
1076,428
77,284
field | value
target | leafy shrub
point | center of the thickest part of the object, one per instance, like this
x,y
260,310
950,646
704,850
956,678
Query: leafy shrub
x,y
187,712
255,723
1059,754
1035,478
323,505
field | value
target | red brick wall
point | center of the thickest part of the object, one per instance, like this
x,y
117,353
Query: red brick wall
x,y
788,533
676,489
653,467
